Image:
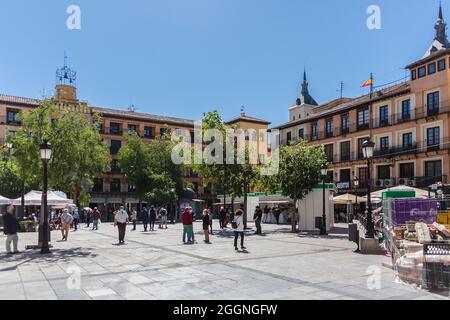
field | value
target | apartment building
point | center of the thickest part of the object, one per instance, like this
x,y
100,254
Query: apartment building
x,y
407,121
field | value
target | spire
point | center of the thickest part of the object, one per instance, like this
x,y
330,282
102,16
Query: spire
x,y
441,29
305,97
441,16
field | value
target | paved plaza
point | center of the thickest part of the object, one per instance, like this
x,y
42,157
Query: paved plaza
x,y
156,265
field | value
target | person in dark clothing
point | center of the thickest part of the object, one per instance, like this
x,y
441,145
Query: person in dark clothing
x,y
144,218
10,229
152,217
258,218
206,219
277,213
222,217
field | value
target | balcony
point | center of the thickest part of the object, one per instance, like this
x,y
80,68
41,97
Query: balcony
x,y
112,131
379,184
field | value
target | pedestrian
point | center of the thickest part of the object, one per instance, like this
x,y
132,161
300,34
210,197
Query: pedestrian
x,y
152,218
222,217
76,219
186,218
95,216
10,228
206,223
66,221
238,226
211,217
88,218
277,213
194,218
257,217
120,220
162,218
134,218
144,218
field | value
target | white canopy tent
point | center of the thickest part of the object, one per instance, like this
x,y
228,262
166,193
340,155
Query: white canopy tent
x,y
34,198
377,196
348,199
5,201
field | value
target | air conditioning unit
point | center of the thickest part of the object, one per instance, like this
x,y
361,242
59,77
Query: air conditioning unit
x,y
411,183
403,181
389,183
379,183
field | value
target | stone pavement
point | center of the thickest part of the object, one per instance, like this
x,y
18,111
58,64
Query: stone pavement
x,y
156,265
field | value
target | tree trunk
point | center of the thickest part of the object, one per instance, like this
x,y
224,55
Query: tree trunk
x,y
294,217
245,205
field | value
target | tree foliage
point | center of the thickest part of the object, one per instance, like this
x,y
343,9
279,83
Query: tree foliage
x,y
78,151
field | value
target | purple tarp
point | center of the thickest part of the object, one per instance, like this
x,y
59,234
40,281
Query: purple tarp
x,y
420,210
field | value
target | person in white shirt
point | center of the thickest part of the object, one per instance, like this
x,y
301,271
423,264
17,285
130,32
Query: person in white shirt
x,y
66,221
120,220
238,226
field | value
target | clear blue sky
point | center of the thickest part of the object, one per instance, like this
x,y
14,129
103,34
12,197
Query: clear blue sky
x,y
185,57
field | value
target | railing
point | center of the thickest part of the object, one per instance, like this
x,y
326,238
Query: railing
x,y
112,131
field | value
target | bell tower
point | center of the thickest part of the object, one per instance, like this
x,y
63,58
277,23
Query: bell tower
x,y
65,89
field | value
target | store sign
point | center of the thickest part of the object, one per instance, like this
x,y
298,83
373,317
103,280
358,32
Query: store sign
x,y
343,185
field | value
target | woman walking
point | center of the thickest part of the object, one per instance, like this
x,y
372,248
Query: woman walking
x,y
206,220
76,219
238,226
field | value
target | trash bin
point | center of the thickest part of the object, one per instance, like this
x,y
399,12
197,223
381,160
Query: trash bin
x,y
353,232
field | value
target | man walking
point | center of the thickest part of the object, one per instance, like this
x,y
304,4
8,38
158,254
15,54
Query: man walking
x,y
186,218
162,218
10,228
120,220
66,220
96,215
88,218
134,218
144,218
257,217
222,217
76,219
152,216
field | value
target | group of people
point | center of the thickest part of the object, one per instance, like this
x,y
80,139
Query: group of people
x,y
188,218
149,217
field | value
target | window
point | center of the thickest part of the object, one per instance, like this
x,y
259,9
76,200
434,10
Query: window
x,y
314,131
432,68
114,185
293,118
384,172
261,137
132,128
329,152
407,140
345,123
433,103
11,117
115,166
406,170
246,136
363,177
422,72
288,137
363,119
98,185
115,146
261,158
384,116
413,74
384,145
254,136
162,132
360,143
115,128
330,128
149,132
406,110
301,133
433,138
433,168
192,134
131,188
345,151
441,65
345,175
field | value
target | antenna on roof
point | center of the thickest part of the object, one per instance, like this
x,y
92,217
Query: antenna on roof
x,y
341,89
242,110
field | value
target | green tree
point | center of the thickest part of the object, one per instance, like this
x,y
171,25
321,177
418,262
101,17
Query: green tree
x,y
300,166
10,185
78,151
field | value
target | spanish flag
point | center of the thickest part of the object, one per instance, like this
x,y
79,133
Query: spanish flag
x,y
368,83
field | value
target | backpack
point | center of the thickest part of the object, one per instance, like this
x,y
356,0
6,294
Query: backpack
x,y
234,224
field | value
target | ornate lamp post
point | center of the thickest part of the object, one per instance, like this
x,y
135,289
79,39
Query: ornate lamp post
x,y
367,149
46,154
356,184
324,171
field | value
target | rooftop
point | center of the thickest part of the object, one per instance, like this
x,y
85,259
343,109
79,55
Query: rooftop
x,y
245,118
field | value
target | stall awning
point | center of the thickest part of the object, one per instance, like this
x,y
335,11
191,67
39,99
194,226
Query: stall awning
x,y
34,198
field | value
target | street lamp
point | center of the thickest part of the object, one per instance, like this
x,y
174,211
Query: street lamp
x,y
324,171
356,184
46,154
367,150
9,145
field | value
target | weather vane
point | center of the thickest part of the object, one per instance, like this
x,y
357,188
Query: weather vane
x,y
65,75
